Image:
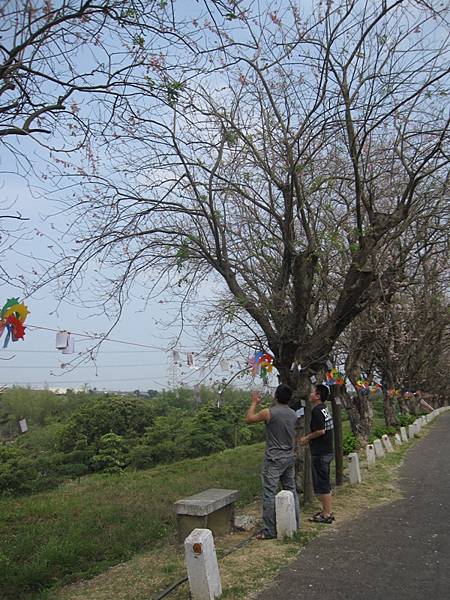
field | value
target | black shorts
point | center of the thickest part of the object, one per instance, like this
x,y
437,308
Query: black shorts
x,y
321,473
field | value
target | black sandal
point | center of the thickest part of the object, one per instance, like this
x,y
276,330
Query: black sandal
x,y
263,536
319,518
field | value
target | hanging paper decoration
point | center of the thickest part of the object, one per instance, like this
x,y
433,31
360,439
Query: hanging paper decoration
x,y
261,364
190,359
175,356
62,339
364,386
23,425
374,388
335,377
12,318
70,347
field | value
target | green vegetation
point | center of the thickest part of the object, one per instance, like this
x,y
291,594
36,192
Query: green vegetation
x,y
349,443
84,527
83,434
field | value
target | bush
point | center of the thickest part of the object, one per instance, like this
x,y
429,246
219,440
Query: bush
x,y
125,417
406,420
378,432
350,443
141,457
73,470
111,458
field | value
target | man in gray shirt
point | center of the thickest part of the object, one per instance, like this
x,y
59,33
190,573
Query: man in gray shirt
x,y
279,459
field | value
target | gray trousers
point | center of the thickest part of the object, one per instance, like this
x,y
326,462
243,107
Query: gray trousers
x,y
274,473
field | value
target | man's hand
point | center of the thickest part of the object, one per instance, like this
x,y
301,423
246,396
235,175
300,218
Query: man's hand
x,y
256,397
253,416
304,441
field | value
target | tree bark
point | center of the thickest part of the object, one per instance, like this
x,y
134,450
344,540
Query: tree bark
x,y
338,438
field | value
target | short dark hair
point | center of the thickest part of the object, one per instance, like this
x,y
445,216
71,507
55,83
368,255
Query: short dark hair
x,y
323,391
283,394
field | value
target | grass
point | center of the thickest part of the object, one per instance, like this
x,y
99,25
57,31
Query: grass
x,y
250,568
114,536
85,527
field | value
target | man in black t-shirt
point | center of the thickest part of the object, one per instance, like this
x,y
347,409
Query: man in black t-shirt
x,y
320,441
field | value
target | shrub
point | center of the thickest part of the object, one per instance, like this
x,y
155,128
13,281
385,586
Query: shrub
x,y
141,457
124,417
350,443
406,420
111,458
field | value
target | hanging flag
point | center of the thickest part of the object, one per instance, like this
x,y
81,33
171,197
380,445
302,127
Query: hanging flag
x,y
190,359
175,356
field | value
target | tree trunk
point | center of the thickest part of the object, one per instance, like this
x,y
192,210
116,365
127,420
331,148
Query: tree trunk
x,y
390,416
360,413
301,385
337,421
403,406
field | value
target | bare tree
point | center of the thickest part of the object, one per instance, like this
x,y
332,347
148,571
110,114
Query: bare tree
x,y
310,145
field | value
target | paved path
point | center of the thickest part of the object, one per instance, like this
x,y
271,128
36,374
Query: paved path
x,y
400,551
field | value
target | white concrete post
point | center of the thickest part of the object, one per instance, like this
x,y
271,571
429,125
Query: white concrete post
x,y
285,514
379,452
387,443
412,431
398,439
354,471
370,454
403,434
418,426
201,564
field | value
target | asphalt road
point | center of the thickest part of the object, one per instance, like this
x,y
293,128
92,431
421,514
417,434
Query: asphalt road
x,y
394,552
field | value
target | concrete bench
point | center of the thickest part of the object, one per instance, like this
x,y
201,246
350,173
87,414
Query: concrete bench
x,y
212,509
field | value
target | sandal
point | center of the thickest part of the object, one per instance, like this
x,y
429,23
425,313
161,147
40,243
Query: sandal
x,y
264,536
320,514
321,519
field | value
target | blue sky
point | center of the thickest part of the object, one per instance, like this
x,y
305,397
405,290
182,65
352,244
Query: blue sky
x,y
140,362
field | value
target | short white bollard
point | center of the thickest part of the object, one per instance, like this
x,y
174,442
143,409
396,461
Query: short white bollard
x,y
387,443
370,455
285,514
412,431
354,471
379,452
403,434
418,426
398,439
201,563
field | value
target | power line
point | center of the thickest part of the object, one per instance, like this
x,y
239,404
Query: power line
x,y
101,351
82,366
97,337
80,381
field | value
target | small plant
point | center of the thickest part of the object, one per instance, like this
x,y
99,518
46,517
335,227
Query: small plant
x,y
406,420
350,443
